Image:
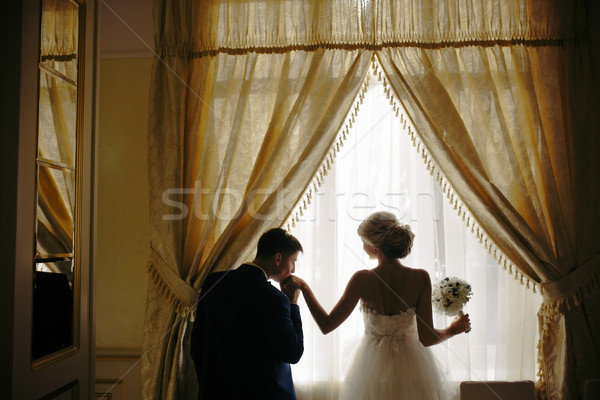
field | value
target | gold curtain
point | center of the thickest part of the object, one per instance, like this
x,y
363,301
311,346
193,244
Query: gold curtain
x,y
505,112
235,138
246,101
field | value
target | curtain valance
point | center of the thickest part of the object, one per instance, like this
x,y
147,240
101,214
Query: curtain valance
x,y
194,29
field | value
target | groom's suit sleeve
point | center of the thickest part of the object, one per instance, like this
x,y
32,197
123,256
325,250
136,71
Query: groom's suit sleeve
x,y
286,330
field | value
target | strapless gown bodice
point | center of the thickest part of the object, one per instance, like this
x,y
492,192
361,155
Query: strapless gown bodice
x,y
398,327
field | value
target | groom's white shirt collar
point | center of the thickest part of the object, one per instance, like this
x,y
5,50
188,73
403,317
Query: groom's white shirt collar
x,y
259,267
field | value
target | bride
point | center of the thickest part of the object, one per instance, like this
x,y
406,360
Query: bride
x,y
392,361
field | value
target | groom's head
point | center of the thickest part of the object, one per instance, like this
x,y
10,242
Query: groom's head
x,y
277,251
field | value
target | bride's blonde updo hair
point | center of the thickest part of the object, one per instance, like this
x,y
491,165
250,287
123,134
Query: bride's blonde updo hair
x,y
383,231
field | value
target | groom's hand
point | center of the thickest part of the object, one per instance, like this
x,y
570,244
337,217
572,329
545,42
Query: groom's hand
x,y
291,291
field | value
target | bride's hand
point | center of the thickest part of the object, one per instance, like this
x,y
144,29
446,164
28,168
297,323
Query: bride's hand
x,y
295,281
460,325
291,291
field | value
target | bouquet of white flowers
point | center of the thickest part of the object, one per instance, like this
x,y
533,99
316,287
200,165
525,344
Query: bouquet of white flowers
x,y
450,295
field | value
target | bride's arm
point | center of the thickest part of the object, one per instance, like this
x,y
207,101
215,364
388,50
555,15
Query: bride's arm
x,y
327,322
428,335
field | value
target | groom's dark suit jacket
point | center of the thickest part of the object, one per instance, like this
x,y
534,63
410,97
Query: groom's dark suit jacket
x,y
245,335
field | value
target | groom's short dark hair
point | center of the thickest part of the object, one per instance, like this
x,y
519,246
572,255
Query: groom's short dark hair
x,y
275,241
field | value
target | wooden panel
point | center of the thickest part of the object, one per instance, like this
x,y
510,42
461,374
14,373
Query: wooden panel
x,y
68,392
118,375
110,389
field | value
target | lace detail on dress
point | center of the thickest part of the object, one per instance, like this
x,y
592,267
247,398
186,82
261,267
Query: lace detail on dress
x,y
399,327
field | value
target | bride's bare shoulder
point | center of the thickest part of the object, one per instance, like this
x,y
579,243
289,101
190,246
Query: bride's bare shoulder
x,y
420,271
419,274
363,274
363,277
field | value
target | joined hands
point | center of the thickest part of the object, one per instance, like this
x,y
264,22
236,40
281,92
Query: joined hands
x,y
291,288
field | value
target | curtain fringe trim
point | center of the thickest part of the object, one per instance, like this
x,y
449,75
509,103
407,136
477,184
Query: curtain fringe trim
x,y
58,57
461,209
313,186
548,313
572,300
546,331
159,283
190,51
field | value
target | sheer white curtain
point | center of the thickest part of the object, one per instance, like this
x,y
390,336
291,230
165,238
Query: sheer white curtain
x,y
379,169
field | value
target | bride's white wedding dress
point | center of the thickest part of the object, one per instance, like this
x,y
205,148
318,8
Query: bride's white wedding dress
x,y
391,363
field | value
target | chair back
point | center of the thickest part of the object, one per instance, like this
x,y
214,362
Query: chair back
x,y
497,390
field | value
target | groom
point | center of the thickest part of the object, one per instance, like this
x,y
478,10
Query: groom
x,y
247,331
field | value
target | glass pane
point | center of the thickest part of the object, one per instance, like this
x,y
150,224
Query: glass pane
x,y
57,131
55,210
57,267
64,68
59,35
52,308
55,328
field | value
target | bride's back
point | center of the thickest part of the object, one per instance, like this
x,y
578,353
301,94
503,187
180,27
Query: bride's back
x,y
391,288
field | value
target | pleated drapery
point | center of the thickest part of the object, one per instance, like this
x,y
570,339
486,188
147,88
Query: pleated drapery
x,y
247,99
513,130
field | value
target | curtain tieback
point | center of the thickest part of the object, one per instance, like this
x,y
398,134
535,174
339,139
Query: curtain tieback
x,y
569,290
169,284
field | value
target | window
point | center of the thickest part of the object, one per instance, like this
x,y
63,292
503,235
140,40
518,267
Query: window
x,y
56,257
377,169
